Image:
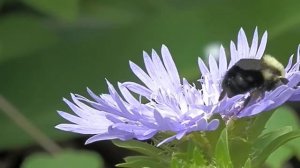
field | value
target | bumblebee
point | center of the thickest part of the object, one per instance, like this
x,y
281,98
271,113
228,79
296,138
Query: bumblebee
x,y
255,76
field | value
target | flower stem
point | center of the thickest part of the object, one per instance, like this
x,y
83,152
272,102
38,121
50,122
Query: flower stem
x,y
19,119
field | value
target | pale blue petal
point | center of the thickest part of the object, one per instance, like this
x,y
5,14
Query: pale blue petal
x,y
141,75
233,54
222,61
203,68
170,65
254,44
243,46
262,46
138,89
289,65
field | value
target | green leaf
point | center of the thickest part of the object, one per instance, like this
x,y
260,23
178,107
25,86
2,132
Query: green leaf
x,y
249,128
141,161
242,133
198,157
285,152
154,156
192,157
271,142
178,160
239,141
66,9
259,125
213,137
222,152
267,138
242,147
276,121
22,35
280,156
248,163
140,147
66,159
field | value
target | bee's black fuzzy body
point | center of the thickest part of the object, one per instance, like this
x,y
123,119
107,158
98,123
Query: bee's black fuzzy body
x,y
254,76
240,79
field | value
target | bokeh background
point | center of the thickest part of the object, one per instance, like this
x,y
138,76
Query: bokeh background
x,y
51,48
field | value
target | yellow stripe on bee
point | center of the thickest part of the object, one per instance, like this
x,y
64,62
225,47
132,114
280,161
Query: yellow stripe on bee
x,y
273,63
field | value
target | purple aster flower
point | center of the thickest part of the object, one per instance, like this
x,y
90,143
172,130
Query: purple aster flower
x,y
164,103
237,105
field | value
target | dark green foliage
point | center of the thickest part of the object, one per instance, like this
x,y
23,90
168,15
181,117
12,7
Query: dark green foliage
x,y
49,48
65,159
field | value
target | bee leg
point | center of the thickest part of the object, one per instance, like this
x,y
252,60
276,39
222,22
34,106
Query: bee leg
x,y
247,101
222,95
284,80
255,95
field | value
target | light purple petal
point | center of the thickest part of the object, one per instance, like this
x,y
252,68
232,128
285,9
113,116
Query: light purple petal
x,y
255,109
141,75
74,108
262,46
243,46
295,96
137,88
254,44
213,124
108,136
69,117
233,54
166,140
222,61
281,98
294,80
289,65
149,66
170,65
298,57
128,96
123,111
203,68
81,129
213,67
180,135
159,66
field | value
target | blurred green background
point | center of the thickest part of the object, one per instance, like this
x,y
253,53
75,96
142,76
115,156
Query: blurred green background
x,y
50,48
